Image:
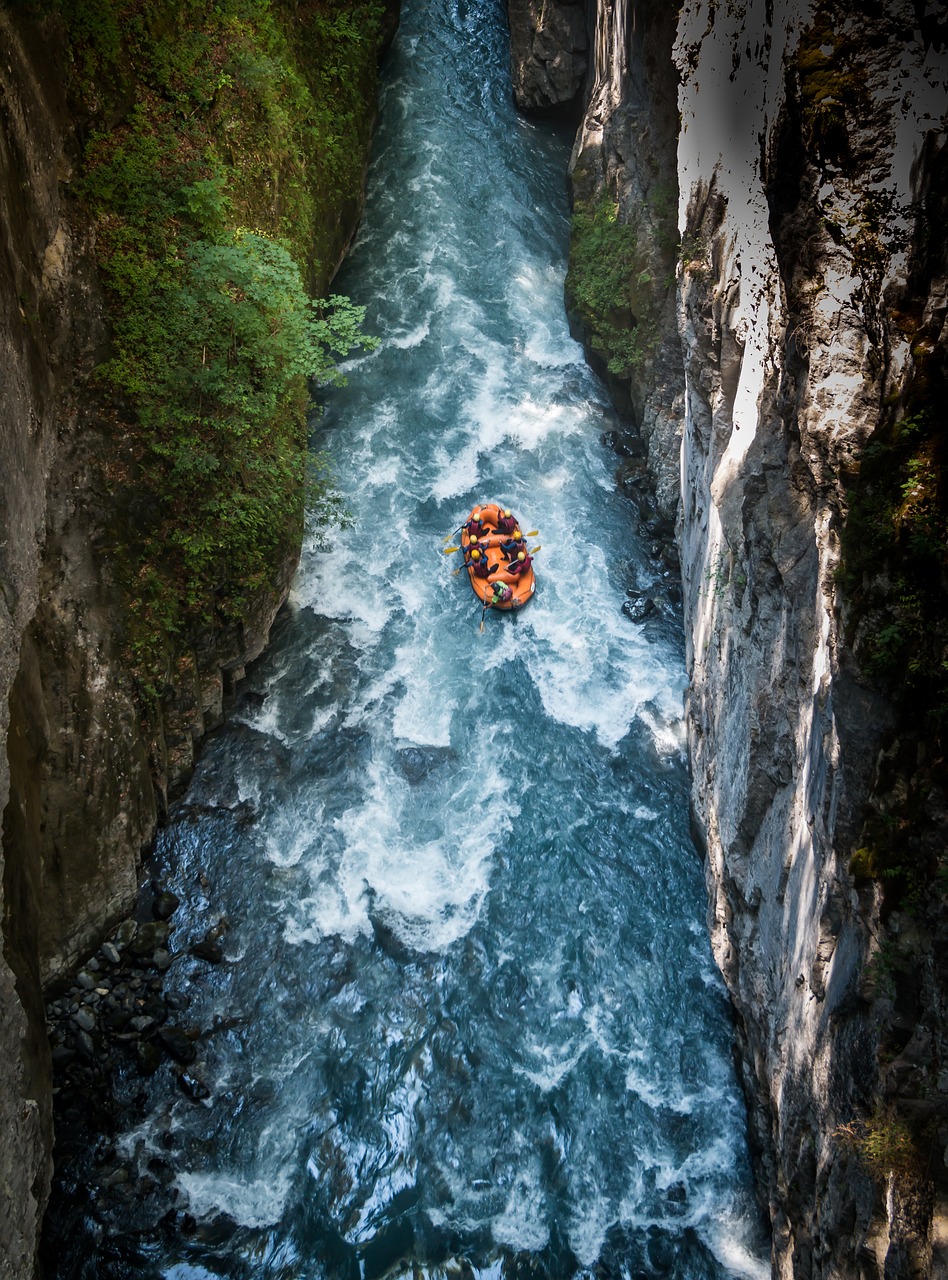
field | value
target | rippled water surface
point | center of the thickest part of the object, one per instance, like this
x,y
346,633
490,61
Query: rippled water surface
x,y
469,1012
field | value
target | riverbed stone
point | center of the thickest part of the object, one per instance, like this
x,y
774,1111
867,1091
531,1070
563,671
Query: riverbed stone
x,y
111,952
417,762
85,1019
125,932
149,937
639,608
148,1057
166,904
177,1043
194,1088
208,949
85,1044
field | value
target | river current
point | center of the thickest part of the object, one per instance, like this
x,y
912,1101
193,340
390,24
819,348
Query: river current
x,y
468,1021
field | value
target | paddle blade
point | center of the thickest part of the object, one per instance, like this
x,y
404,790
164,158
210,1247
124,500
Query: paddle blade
x,y
534,550
449,551
532,534
457,571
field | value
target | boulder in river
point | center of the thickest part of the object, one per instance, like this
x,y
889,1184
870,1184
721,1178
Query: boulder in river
x,y
166,904
638,608
149,937
177,1043
417,762
195,1089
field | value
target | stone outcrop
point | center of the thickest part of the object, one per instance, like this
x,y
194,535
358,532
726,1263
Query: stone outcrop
x,y
547,53
809,309
625,153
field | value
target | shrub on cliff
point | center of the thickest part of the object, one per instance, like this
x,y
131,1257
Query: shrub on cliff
x,y
227,140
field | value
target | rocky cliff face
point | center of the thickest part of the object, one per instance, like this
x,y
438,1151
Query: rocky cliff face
x,y
795,135
85,773
810,304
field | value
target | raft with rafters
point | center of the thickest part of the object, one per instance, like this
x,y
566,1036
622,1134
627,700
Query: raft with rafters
x,y
522,585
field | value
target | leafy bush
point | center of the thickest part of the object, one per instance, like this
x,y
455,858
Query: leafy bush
x,y
241,133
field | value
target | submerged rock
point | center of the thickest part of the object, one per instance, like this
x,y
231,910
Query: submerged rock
x,y
177,1043
638,608
166,904
194,1088
417,762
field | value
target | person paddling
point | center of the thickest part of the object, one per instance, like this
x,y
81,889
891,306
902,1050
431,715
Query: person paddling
x,y
506,521
475,527
513,544
503,593
520,565
480,564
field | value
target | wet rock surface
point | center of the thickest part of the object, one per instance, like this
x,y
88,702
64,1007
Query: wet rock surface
x,y
113,1026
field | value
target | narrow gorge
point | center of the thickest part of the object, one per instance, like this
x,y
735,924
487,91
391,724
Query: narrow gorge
x,y
403,969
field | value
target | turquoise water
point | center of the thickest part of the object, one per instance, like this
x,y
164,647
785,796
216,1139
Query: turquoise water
x,y
469,1017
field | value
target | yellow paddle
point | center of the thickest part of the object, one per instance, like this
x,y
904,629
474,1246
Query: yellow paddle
x,y
449,551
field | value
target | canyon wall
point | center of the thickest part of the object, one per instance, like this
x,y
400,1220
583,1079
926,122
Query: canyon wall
x,y
788,282
86,765
807,316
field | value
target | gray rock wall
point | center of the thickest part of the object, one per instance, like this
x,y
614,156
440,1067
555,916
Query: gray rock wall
x,y
34,342
83,777
789,360
548,52
625,151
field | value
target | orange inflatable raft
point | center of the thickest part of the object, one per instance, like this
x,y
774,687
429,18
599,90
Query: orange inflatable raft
x,y
522,585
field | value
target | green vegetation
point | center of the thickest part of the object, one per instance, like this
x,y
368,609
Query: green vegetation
x,y
893,565
609,285
229,136
833,88
886,1145
898,524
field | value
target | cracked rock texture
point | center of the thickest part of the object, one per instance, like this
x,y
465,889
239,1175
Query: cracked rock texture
x,y
790,358
547,52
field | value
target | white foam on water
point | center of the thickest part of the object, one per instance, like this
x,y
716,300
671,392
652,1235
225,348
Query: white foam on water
x,y
455,471
589,1224
423,715
428,891
331,589
522,1224
727,1238
643,814
385,472
254,1202
413,338
555,1068
293,833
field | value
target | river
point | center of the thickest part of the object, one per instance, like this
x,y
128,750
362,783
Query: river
x,y
468,1021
